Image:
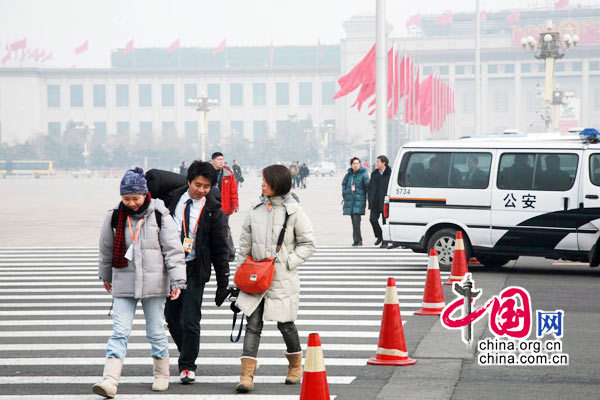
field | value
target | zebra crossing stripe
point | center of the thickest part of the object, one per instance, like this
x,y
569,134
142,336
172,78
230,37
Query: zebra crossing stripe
x,y
77,380
306,282
205,333
157,397
222,311
141,321
338,362
205,346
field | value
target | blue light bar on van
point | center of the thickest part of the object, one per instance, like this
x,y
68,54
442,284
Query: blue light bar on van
x,y
589,134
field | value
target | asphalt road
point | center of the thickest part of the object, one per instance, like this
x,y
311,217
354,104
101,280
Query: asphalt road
x,y
54,328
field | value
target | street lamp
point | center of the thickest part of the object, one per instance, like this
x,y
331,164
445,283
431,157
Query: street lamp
x,y
203,104
548,48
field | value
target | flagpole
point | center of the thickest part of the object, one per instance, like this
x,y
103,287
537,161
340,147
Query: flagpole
x,y
418,101
477,70
381,78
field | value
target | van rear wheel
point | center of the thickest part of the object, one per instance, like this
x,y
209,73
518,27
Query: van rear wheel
x,y
492,260
443,243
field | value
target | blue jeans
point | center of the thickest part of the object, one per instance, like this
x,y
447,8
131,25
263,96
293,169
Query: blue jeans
x,y
123,314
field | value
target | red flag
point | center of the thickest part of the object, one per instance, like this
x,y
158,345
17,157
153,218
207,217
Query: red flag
x,y
271,53
83,47
321,54
414,20
41,55
48,57
222,46
445,18
349,82
408,103
561,4
396,93
128,48
34,54
513,16
425,100
20,44
176,45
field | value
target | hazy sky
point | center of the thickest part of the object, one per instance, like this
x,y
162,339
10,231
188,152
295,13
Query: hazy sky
x,y
61,25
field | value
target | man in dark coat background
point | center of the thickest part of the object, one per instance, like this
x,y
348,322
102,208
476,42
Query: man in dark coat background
x,y
377,191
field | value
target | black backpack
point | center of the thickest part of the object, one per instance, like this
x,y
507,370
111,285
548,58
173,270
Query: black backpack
x,y
160,184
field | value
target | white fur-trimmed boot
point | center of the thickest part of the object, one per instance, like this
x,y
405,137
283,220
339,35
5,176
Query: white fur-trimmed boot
x,y
161,375
112,372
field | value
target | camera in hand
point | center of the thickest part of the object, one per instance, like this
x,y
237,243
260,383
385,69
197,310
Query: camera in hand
x,y
233,293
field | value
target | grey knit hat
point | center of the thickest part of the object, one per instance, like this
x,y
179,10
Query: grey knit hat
x,y
134,182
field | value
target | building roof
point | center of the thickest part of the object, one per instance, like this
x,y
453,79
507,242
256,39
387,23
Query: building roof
x,y
495,23
231,57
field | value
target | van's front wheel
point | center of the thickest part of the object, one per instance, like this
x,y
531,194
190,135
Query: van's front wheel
x,y
443,242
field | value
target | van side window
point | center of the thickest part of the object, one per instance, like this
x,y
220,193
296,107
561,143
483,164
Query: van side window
x,y
594,169
537,171
446,170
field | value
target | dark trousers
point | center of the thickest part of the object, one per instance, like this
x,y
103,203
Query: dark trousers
x,y
356,228
230,244
254,329
183,318
373,218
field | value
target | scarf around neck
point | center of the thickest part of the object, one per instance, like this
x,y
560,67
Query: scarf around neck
x,y
119,250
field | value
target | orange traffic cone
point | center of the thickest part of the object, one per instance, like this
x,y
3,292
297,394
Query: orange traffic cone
x,y
391,349
433,295
314,379
459,263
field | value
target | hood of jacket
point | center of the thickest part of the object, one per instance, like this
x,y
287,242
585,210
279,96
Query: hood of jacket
x,y
290,201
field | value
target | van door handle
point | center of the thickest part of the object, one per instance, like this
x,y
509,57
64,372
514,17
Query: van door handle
x,y
591,196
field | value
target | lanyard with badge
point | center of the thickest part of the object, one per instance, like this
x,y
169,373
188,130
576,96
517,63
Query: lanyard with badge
x,y
129,253
188,242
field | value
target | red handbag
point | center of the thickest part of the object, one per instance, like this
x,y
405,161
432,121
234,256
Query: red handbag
x,y
256,276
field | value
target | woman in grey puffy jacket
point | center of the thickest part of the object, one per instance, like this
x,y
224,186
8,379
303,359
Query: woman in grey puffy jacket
x,y
140,258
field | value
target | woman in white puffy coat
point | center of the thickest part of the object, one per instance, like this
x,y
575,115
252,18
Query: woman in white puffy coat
x,y
281,300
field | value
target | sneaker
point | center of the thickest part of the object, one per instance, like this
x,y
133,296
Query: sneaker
x,y
186,376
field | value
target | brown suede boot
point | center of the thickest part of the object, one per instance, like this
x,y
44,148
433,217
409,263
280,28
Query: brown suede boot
x,y
295,368
247,376
110,381
161,375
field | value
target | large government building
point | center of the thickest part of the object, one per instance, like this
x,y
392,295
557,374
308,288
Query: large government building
x,y
143,95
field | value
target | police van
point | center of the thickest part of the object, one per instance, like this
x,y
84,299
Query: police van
x,y
511,196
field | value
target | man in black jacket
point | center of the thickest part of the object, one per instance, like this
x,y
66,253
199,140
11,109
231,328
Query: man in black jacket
x,y
196,209
377,191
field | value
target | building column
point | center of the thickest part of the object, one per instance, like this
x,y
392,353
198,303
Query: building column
x,y
484,109
517,96
586,99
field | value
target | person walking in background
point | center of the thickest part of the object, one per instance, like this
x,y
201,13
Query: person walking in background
x,y
140,259
225,181
294,171
377,191
304,172
354,196
367,165
237,172
202,230
276,207
183,169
